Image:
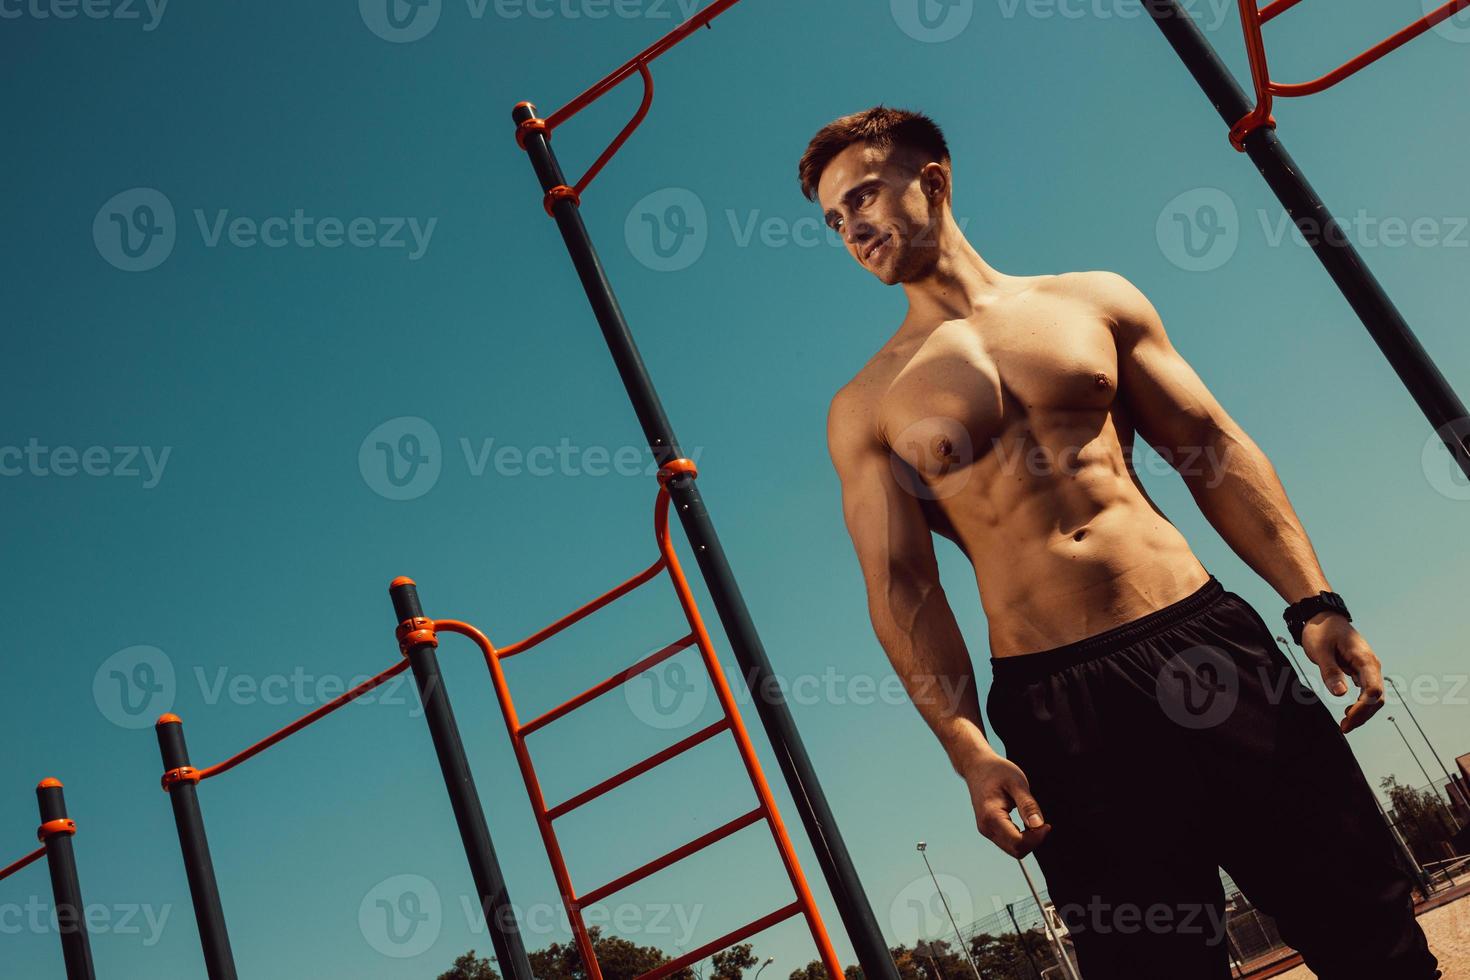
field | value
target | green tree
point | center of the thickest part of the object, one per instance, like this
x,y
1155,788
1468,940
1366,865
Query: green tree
x,y
618,958
1419,815
470,967
816,971
731,964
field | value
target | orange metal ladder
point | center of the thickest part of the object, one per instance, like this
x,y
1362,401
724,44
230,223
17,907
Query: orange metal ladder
x,y
421,630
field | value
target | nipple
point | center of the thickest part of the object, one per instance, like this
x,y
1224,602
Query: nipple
x,y
1101,380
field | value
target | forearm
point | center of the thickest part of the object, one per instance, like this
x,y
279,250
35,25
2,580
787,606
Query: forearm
x,y
917,629
1240,494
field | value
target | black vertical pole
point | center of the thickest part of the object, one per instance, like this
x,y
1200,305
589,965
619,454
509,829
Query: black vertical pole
x,y
770,701
209,913
1030,958
71,919
500,917
1329,241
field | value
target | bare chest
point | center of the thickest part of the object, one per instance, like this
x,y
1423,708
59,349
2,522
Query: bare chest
x,y
949,401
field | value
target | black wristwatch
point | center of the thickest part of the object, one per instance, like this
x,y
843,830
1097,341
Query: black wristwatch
x,y
1298,613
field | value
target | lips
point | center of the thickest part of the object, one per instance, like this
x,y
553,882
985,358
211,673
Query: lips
x,y
873,248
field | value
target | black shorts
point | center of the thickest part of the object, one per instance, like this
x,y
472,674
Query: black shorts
x,y
1183,742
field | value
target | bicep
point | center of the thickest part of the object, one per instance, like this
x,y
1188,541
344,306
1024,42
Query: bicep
x,y
884,519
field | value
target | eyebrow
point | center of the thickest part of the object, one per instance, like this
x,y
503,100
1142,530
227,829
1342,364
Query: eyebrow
x,y
852,193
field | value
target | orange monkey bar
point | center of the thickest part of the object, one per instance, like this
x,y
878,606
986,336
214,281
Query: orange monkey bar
x,y
1252,17
731,722
639,64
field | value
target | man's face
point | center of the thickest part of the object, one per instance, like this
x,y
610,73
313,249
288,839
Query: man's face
x,y
875,199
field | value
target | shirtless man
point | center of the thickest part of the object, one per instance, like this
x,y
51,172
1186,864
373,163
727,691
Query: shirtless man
x,y
1155,731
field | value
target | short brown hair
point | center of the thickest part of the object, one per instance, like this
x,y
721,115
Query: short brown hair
x,y
879,126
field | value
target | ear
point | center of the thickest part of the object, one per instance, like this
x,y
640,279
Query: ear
x,y
934,179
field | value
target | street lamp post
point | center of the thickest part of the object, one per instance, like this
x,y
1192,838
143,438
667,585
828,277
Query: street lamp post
x,y
768,962
1454,786
923,848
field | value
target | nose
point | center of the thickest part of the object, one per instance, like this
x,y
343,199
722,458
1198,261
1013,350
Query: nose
x,y
855,233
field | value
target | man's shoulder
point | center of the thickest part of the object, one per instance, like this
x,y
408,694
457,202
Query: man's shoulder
x,y
1114,297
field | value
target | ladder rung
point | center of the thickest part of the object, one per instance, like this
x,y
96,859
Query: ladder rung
x,y
724,942
601,688
658,758
677,854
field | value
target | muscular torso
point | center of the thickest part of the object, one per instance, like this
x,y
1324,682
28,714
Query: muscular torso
x,y
1009,428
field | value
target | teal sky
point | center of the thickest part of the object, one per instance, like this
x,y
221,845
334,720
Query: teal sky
x,y
394,264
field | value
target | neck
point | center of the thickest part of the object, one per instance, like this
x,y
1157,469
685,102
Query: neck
x,y
959,282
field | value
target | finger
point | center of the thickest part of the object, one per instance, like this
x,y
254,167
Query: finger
x,y
1361,710
1028,808
1333,680
1000,830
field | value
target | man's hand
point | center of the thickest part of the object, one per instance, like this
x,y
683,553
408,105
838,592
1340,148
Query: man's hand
x,y
998,786
1331,642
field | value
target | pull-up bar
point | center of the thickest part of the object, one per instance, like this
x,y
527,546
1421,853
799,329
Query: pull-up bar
x,y
55,834
1418,372
562,203
181,781
1252,17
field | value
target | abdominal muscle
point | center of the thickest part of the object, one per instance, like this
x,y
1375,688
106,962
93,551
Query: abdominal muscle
x,y
1065,552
